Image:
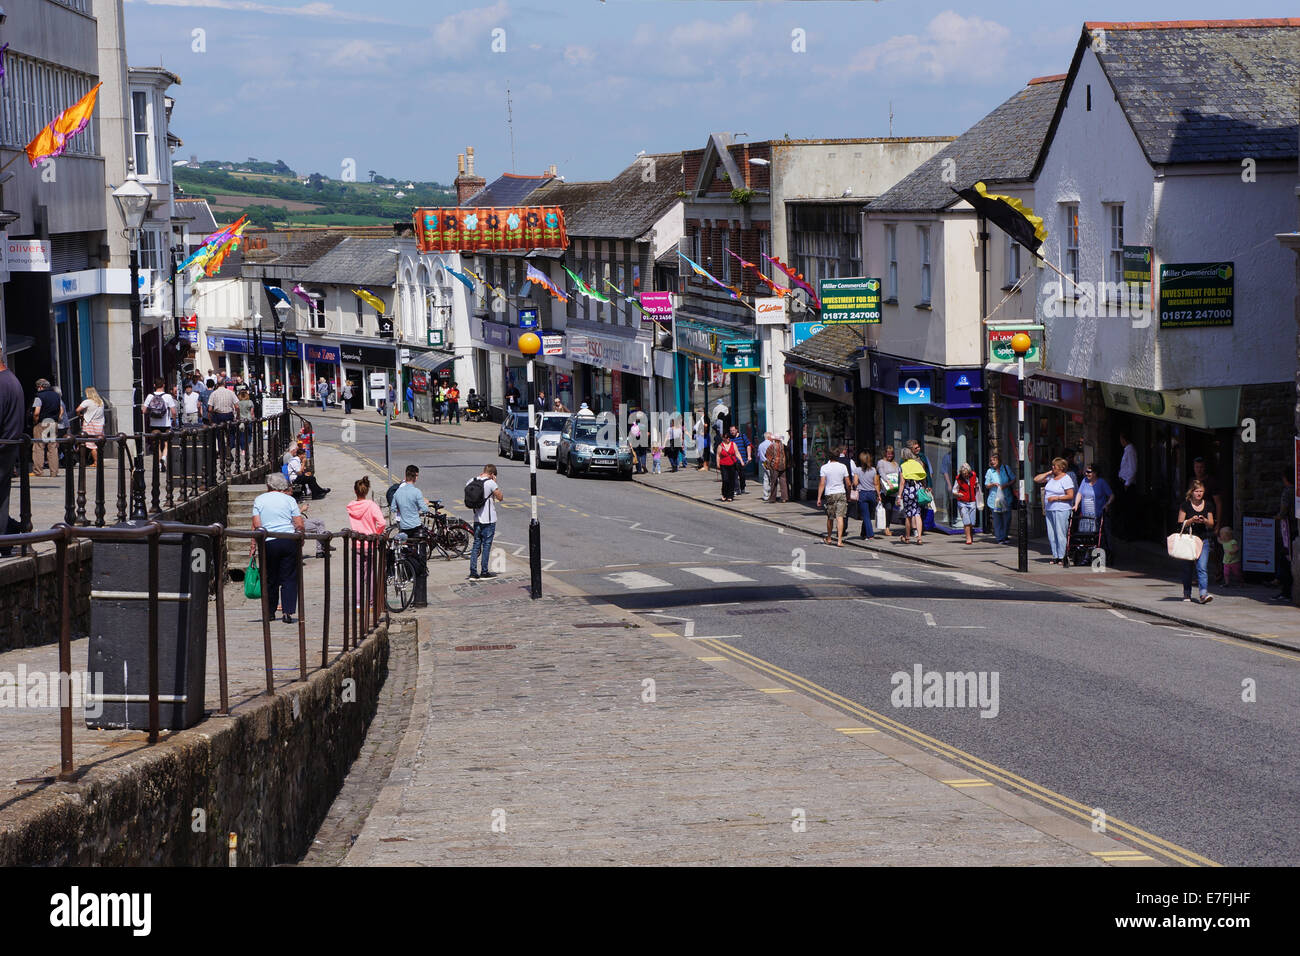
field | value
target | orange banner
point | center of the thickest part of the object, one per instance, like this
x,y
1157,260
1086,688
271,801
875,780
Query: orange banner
x,y
490,228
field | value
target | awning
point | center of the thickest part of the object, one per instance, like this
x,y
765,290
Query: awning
x,y
431,361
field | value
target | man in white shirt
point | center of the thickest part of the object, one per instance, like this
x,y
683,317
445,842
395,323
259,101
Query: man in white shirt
x,y
1126,488
763,446
834,486
485,522
190,406
158,408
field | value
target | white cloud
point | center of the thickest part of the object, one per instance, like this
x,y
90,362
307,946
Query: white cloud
x,y
575,55
318,11
469,33
951,46
696,33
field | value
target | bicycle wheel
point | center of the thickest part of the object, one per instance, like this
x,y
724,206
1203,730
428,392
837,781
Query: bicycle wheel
x,y
457,539
400,585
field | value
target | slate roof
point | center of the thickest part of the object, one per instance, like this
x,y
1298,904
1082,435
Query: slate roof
x,y
312,250
197,215
835,348
1205,91
625,207
1002,146
355,261
508,189
575,198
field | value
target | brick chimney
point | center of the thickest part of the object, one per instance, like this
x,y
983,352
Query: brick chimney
x,y
467,184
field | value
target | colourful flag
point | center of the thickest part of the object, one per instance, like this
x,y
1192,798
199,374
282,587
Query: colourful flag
x,y
779,290
585,289
795,278
539,277
303,294
373,301
53,139
735,293
465,279
212,243
223,249
277,293
629,298
1007,213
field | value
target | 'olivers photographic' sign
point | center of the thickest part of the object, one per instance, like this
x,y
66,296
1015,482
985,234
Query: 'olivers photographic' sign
x,y
1195,294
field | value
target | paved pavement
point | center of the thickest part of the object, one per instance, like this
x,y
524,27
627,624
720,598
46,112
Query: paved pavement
x,y
566,731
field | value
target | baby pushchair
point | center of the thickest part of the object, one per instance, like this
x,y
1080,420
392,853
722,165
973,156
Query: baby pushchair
x,y
1083,539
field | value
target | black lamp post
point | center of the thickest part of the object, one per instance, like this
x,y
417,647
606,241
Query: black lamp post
x,y
133,203
281,310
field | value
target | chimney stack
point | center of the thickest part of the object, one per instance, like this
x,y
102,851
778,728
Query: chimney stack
x,y
467,184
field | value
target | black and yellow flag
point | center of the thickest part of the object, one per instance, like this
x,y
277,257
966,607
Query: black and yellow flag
x,y
1008,214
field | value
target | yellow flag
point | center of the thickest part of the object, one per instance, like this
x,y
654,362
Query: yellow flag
x,y
53,139
373,301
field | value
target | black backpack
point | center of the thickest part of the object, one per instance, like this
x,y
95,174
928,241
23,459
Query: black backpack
x,y
392,491
475,495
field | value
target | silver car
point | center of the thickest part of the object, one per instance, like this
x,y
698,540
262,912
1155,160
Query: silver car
x,y
548,435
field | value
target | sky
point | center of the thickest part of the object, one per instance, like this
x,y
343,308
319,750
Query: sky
x,y
403,86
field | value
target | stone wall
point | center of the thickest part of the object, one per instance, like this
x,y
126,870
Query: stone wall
x,y
1260,465
264,774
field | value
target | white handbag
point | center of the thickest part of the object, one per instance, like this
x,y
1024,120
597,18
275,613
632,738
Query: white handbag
x,y
1183,546
880,514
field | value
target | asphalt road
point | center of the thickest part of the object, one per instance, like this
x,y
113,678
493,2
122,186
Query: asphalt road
x,y
1094,712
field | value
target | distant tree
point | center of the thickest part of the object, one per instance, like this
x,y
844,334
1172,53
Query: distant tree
x,y
316,181
372,175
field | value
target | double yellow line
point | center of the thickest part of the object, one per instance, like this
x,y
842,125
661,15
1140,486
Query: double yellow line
x,y
1150,841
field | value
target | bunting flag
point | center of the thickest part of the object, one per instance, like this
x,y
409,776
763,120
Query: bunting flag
x,y
277,293
735,293
629,298
214,242
778,289
303,294
465,280
1007,213
53,139
585,289
373,301
796,278
537,276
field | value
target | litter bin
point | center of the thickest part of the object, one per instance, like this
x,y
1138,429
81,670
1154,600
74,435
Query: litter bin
x,y
196,455
119,632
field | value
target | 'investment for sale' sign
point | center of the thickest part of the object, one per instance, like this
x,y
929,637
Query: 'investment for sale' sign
x,y
850,300
1194,294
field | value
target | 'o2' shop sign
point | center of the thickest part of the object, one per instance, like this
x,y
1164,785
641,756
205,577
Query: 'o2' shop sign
x,y
1195,294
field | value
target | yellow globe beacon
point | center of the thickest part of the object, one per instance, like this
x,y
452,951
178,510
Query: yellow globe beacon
x,y
530,343
1021,343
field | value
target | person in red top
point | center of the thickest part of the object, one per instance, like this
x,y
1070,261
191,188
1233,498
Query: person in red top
x,y
966,490
453,404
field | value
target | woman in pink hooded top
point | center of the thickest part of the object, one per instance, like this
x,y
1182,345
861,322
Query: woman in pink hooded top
x,y
363,514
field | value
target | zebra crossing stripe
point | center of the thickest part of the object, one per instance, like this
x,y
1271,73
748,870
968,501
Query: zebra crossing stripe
x,y
636,580
718,575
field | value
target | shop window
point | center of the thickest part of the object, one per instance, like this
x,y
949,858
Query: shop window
x,y
1115,254
1013,263
142,133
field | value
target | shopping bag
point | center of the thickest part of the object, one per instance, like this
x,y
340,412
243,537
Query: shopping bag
x,y
924,498
880,515
1183,546
979,499
252,580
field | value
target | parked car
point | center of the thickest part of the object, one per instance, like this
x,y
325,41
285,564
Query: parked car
x,y
512,440
592,446
549,428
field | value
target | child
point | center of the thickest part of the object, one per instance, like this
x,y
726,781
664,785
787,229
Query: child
x,y
656,455
1231,557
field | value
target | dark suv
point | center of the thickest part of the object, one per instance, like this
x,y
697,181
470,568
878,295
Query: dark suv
x,y
591,446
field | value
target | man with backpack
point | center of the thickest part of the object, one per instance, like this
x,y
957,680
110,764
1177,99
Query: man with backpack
x,y
481,497
158,408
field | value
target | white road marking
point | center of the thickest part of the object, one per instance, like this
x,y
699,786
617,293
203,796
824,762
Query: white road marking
x,y
689,630
800,573
883,575
717,575
970,580
636,580
929,618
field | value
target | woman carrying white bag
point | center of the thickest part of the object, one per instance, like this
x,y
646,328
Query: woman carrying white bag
x,y
1190,543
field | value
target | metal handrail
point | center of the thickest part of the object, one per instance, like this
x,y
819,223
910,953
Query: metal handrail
x,y
363,568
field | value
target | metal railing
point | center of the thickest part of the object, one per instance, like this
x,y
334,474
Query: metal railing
x,y
198,459
363,595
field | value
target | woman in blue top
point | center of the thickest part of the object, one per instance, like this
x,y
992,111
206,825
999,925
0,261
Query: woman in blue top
x,y
1093,501
1058,495
998,482
276,511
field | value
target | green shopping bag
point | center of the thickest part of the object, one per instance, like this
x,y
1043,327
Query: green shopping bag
x,y
252,580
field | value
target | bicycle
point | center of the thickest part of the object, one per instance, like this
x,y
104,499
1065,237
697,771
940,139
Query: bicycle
x,y
449,534
399,586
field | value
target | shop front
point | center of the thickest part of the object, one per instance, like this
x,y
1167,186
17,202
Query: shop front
x,y
942,409
1169,431
717,363
1054,422
822,412
358,362
610,372
323,363
248,358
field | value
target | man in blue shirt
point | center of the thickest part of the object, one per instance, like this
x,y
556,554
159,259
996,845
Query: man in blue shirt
x,y
277,512
408,504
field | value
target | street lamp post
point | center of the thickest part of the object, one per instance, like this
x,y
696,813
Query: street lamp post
x,y
281,311
1020,344
133,203
530,345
